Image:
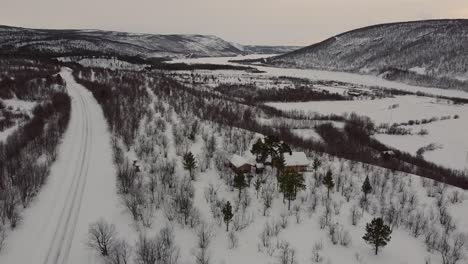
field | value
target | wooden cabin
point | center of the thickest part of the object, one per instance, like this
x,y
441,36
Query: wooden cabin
x,y
296,161
239,164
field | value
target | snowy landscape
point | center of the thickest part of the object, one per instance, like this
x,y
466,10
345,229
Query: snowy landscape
x,y
122,148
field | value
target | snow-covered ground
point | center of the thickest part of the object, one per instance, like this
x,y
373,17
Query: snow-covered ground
x,y
19,107
354,78
449,134
80,189
387,110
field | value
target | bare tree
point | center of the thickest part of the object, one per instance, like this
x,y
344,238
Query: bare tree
x,y
101,236
204,235
268,193
451,248
286,254
160,249
120,253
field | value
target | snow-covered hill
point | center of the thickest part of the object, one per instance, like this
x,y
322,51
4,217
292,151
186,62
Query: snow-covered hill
x,y
420,52
99,42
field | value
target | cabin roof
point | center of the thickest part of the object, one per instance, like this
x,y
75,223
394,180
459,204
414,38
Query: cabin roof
x,y
238,161
296,159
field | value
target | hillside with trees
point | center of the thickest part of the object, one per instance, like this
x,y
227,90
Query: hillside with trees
x,y
426,53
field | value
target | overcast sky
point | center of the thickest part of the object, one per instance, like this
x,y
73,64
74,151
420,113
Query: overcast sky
x,y
274,22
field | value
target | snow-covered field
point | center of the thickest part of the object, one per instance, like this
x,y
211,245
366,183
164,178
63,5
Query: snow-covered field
x,y
354,78
449,134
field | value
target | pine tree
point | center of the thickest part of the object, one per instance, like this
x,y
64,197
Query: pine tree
x,y
317,164
291,182
258,149
328,182
366,187
377,234
227,213
279,163
239,182
284,148
190,163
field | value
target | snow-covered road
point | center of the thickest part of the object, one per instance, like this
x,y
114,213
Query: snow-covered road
x,y
81,189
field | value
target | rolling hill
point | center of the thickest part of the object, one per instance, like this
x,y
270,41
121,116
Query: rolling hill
x,y
431,52
15,40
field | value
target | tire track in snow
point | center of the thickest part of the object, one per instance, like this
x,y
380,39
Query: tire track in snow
x,y
60,245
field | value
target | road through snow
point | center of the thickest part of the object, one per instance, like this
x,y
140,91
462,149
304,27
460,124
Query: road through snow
x,y
80,189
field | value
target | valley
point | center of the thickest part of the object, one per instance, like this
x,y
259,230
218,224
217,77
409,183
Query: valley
x,y
122,148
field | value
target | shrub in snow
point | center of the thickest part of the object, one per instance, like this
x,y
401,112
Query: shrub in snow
x,y
267,195
337,207
160,249
355,215
120,253
286,254
2,236
283,220
452,247
270,231
183,200
242,220
204,236
233,241
317,252
456,197
297,213
134,200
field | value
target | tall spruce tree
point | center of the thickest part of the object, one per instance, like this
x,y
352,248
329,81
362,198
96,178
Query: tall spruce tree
x,y
227,214
366,188
239,182
258,148
377,234
190,164
279,163
291,182
329,182
284,148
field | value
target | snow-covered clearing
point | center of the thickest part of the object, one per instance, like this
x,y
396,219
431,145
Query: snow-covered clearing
x,y
353,78
387,110
80,189
19,105
450,134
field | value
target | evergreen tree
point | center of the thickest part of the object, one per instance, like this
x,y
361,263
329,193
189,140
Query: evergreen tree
x,y
239,182
329,182
227,213
279,163
190,163
317,164
272,144
291,182
284,148
366,187
258,150
377,234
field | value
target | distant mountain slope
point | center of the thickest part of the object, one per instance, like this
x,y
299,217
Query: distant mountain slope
x,y
99,42
423,52
65,42
257,49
